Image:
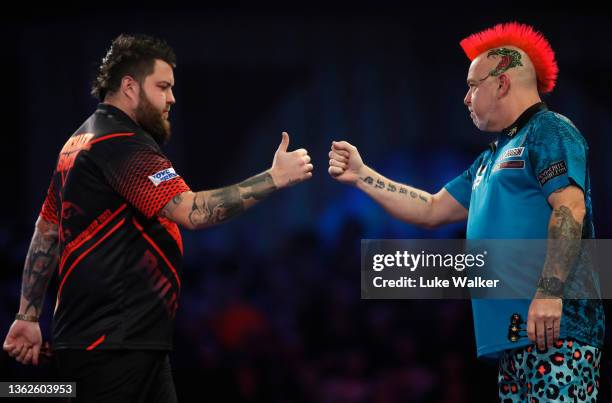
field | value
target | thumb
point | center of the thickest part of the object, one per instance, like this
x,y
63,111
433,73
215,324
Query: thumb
x,y
8,343
284,142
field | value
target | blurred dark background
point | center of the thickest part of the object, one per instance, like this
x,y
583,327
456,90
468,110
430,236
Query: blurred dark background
x,y
271,310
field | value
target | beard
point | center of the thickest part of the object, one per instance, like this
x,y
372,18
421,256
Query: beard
x,y
152,121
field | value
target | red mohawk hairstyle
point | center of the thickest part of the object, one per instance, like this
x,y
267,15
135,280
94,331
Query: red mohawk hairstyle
x,y
521,36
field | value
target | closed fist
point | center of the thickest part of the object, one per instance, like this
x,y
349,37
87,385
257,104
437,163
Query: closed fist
x,y
345,164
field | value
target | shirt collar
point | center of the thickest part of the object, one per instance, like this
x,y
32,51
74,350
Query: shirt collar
x,y
117,114
522,120
493,146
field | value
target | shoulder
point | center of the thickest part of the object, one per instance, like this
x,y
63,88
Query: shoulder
x,y
116,140
551,128
112,128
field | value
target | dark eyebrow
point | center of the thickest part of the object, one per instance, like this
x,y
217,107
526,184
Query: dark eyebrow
x,y
166,83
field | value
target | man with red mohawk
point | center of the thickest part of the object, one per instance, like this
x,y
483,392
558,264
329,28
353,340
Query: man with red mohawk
x,y
532,182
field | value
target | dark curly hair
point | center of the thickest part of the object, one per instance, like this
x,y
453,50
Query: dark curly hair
x,y
130,55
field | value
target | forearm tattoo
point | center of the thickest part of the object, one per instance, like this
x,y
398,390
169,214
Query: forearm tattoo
x,y
222,204
565,235
390,187
40,264
258,187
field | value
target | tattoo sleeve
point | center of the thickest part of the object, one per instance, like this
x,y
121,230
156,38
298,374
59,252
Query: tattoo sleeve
x,y
564,243
215,206
40,264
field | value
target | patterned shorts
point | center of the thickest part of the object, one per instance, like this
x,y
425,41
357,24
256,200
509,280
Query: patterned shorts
x,y
566,372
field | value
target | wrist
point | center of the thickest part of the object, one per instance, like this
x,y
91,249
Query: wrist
x,y
362,173
550,286
542,294
276,177
27,318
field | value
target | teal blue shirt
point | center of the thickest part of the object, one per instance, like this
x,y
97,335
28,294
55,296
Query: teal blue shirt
x,y
506,193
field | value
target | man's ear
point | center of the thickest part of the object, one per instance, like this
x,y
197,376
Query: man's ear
x,y
503,85
130,88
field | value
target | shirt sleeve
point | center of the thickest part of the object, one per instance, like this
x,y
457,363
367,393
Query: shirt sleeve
x,y
558,156
461,187
140,173
49,207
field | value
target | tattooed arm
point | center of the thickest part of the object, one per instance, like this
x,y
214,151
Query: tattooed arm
x,y
196,210
410,204
24,340
406,203
564,231
40,264
564,240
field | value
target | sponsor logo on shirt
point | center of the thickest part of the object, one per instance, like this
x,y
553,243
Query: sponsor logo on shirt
x,y
556,169
513,152
71,150
515,164
163,176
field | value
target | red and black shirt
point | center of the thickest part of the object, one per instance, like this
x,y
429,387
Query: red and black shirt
x,y
120,262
